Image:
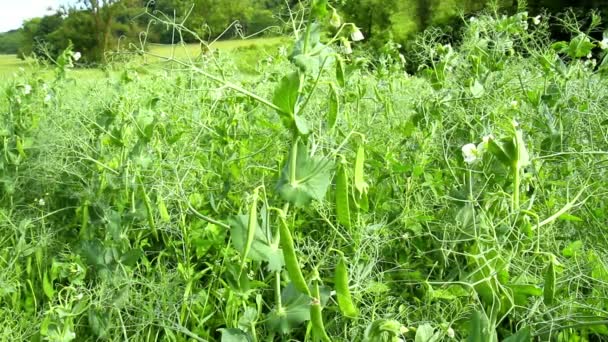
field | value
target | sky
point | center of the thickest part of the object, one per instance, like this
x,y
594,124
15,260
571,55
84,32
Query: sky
x,y
14,12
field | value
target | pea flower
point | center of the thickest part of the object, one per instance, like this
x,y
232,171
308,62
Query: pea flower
x,y
346,47
470,153
451,333
536,20
27,89
335,19
76,56
604,44
356,35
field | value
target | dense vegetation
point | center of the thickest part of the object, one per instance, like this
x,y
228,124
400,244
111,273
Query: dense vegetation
x,y
10,42
319,198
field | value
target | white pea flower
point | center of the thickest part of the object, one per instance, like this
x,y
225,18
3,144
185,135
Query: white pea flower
x,y
41,202
514,104
47,98
472,19
356,35
536,20
470,153
451,333
486,139
76,56
27,89
604,44
589,55
79,296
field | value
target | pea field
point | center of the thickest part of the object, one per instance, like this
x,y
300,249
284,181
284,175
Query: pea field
x,y
304,189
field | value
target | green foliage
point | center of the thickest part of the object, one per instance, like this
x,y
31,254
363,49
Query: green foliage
x,y
315,199
10,41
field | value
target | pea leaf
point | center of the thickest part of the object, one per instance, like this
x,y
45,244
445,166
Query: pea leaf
x,y
234,335
261,249
295,310
305,177
523,335
426,333
286,94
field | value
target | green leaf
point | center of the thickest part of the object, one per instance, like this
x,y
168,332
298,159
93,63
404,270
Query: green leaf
x,y
305,177
570,217
580,46
99,322
234,335
131,257
295,311
286,94
521,293
262,248
375,331
301,125
479,330
573,248
504,150
523,335
426,333
319,8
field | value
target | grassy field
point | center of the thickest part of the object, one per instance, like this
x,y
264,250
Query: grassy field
x,y
311,195
250,52
10,64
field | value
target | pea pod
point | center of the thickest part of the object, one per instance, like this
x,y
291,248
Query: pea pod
x,y
291,260
342,202
334,107
360,183
162,209
149,211
345,301
252,224
316,316
549,288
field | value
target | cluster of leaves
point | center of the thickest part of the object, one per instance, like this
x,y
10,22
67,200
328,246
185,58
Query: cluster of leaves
x,y
314,201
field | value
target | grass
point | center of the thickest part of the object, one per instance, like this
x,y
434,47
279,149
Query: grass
x,y
10,64
249,51
158,203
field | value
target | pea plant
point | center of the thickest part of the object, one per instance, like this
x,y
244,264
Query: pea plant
x,y
323,194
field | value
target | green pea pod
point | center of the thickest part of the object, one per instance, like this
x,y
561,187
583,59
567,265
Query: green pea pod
x,y
291,260
340,77
149,211
316,316
360,183
549,288
342,202
334,107
345,301
162,209
252,224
